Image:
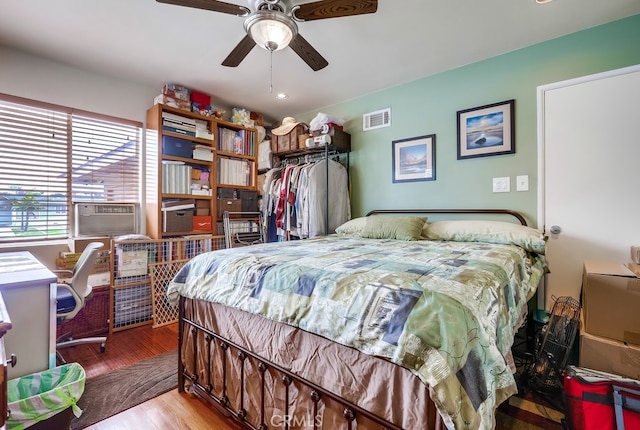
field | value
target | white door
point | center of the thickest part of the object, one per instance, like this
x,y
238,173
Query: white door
x,y
589,170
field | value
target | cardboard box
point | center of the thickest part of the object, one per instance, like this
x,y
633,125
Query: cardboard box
x,y
610,356
201,222
172,102
99,279
610,301
203,208
78,244
179,92
260,183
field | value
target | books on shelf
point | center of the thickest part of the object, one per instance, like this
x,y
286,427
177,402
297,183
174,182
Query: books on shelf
x,y
177,130
179,119
226,139
233,171
236,141
178,124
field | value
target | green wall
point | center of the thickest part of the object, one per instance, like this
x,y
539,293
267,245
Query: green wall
x,y
430,105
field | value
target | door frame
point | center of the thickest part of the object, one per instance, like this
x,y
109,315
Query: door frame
x,y
541,98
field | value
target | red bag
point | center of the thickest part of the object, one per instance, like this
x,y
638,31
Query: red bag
x,y
600,401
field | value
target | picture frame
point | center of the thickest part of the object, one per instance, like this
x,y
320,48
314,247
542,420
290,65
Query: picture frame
x,y
487,130
414,159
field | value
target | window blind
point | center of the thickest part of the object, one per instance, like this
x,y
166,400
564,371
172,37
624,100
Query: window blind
x,y
52,157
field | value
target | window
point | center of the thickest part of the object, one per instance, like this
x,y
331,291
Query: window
x,y
52,157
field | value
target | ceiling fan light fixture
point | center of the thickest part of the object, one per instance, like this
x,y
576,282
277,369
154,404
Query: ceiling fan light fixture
x,y
271,30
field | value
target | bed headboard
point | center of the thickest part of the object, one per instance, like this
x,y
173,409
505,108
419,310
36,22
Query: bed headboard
x,y
508,212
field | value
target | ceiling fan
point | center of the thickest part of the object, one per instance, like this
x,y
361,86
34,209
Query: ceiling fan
x,y
271,24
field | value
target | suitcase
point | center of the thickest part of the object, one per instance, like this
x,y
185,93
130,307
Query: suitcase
x,y
600,401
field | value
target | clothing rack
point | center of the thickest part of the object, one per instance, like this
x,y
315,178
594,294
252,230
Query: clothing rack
x,y
314,155
312,158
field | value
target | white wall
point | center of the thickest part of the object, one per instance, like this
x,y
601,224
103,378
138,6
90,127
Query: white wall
x,y
36,78
39,79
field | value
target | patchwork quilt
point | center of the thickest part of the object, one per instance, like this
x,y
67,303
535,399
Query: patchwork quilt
x,y
447,311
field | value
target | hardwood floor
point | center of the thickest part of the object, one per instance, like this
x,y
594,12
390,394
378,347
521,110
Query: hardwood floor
x,y
171,410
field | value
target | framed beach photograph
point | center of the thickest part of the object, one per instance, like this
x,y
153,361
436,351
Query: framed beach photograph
x,y
486,130
414,159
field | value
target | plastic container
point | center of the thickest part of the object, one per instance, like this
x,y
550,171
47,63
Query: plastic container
x,y
47,399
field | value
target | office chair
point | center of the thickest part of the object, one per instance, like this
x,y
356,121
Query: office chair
x,y
71,297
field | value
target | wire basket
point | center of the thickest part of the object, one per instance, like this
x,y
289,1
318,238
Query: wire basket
x,y
558,335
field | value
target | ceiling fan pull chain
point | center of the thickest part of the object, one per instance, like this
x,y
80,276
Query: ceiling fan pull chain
x,y
270,72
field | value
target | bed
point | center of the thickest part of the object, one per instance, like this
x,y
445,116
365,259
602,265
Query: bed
x,y
394,322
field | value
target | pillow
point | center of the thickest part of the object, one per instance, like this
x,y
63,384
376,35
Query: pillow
x,y
353,226
487,231
394,227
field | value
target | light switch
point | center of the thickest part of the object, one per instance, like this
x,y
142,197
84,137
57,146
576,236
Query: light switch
x,y
501,185
522,183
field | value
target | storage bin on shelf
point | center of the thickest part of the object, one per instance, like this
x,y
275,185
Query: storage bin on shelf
x,y
286,137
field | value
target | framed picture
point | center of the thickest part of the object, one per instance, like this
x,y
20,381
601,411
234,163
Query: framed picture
x,y
414,159
486,130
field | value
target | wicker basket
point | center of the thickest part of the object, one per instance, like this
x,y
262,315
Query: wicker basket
x,y
93,319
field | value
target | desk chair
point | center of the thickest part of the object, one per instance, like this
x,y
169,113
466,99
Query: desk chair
x,y
71,297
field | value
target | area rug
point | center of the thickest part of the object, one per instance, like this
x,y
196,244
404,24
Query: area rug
x,y
109,394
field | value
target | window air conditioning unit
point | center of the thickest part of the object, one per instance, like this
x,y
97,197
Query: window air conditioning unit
x,y
106,219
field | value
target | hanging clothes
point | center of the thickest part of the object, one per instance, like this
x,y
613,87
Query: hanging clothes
x,y
316,198
296,198
271,193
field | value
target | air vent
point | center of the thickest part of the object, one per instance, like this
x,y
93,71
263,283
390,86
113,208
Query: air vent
x,y
377,119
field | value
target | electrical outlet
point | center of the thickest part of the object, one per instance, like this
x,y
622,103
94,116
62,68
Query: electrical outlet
x,y
501,185
522,183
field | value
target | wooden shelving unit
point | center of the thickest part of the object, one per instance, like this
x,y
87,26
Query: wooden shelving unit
x,y
232,166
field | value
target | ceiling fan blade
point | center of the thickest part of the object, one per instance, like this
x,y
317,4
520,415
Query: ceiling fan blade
x,y
213,5
308,54
241,50
334,9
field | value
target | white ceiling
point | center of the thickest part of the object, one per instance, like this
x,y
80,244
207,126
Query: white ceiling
x,y
153,43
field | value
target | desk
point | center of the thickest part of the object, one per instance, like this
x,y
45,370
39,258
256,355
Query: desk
x,y
29,292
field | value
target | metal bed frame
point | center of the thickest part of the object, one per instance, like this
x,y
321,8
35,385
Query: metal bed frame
x,y
229,351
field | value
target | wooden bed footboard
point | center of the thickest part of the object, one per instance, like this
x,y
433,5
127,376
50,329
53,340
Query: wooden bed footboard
x,y
226,374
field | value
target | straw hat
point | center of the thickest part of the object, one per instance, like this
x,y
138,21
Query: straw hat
x,y
287,125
